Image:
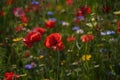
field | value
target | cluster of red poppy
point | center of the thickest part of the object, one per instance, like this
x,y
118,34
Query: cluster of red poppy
x,y
87,37
82,11
33,36
53,40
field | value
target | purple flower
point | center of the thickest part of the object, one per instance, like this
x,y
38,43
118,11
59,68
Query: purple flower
x,y
61,22
33,64
110,32
81,17
54,19
107,33
35,2
28,66
49,13
75,28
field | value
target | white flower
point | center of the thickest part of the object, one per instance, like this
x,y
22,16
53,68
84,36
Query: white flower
x,y
80,31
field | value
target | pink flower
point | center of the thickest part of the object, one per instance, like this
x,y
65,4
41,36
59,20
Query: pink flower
x,y
18,12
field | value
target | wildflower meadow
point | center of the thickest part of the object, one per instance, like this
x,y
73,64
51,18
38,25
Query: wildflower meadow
x,y
59,39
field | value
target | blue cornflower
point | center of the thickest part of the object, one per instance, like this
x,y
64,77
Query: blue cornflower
x,y
54,19
81,17
61,22
34,2
75,28
107,33
49,13
110,32
28,66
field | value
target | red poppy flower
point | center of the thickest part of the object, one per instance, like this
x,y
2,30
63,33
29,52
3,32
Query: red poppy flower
x,y
85,9
78,12
60,46
106,9
24,19
9,2
118,27
90,37
69,39
84,38
54,41
28,8
18,28
76,20
87,38
69,2
0,32
10,76
40,30
35,7
31,38
1,13
27,54
50,23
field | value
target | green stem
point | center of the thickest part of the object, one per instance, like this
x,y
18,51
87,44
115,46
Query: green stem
x,y
58,64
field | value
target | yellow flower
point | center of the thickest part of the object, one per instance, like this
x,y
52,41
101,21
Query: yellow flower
x,y
59,7
41,56
63,62
116,12
86,57
25,24
17,39
20,24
